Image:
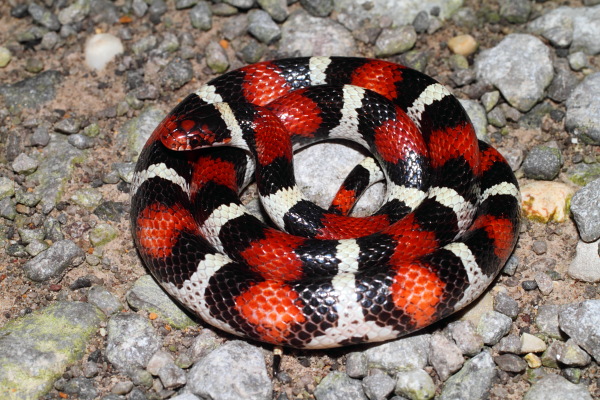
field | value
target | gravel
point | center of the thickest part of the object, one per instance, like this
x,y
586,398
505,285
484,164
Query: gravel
x,y
71,135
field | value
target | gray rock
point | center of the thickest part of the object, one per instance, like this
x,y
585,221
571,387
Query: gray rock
x,y
177,73
31,92
318,8
563,83
24,164
277,9
466,338
80,141
519,66
415,384
515,11
235,27
80,388
445,356
104,300
509,344
550,356
506,305
233,371
144,45
378,386
139,8
583,110
171,376
544,283
543,162
493,326
203,344
216,57
339,386
43,16
586,264
304,35
131,341
392,41
400,355
262,27
578,61
581,321
547,320
56,163
555,387
581,23
584,206
201,16
183,4
510,363
473,382
352,13
145,294
357,365
243,4
74,13
54,261
37,349
159,360
122,387
496,117
572,355
136,131
477,116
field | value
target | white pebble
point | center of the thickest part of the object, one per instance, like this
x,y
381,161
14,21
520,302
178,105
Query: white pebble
x,y
101,49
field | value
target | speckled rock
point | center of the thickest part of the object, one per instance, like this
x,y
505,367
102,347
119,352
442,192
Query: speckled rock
x,y
147,295
304,35
415,384
586,264
339,386
400,355
36,349
493,326
54,261
555,387
581,322
583,110
473,381
233,371
31,92
543,162
584,206
131,341
579,25
520,67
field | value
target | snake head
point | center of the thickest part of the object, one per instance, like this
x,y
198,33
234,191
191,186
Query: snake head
x,y
196,128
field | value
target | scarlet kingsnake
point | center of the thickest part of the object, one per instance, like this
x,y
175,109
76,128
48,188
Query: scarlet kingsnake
x,y
449,222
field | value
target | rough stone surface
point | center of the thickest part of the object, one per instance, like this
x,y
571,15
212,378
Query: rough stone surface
x,y
520,67
581,322
36,349
473,381
583,110
131,341
555,387
233,371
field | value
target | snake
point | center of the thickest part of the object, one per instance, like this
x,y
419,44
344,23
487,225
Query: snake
x,y
304,276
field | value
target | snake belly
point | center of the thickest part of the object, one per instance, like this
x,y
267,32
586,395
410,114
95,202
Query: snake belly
x,y
322,279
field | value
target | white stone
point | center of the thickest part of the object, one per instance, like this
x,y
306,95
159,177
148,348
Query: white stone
x,y
101,49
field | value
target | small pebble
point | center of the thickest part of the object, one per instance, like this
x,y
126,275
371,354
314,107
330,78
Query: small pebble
x,y
465,45
101,49
539,247
529,285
